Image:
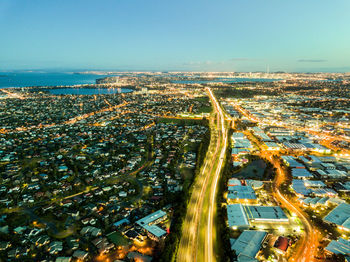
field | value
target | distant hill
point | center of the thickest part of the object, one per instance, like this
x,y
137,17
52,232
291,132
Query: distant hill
x,y
107,80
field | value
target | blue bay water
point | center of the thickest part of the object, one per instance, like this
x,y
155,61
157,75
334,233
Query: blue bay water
x,y
45,79
24,79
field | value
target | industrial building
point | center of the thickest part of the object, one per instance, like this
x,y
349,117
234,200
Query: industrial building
x,y
241,193
290,161
241,216
340,216
342,246
236,217
248,244
265,214
301,173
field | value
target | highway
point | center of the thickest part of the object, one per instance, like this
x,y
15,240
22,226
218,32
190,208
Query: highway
x,y
212,206
198,231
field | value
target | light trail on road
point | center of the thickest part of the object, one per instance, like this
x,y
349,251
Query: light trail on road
x,y
204,188
309,241
307,248
223,130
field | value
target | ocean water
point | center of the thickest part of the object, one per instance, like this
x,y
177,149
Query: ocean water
x,y
24,79
45,79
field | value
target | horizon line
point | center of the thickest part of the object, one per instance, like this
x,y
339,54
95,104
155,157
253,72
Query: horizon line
x,y
82,70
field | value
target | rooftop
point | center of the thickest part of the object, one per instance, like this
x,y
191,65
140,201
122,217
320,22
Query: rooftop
x,y
292,162
268,213
340,216
301,172
236,216
147,221
151,218
155,230
241,192
342,246
248,244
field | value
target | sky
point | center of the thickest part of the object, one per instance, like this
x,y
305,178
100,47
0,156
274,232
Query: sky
x,y
196,35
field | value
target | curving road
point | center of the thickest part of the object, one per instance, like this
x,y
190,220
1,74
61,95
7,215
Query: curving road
x,y
309,242
307,247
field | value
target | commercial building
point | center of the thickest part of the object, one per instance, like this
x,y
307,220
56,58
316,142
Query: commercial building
x,y
248,244
265,214
149,224
342,246
314,183
239,151
272,146
303,187
240,141
236,217
241,145
241,216
291,162
332,173
340,216
300,188
281,244
294,146
261,134
301,173
241,193
234,182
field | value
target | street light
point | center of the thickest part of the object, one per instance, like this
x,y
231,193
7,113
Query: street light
x,y
281,229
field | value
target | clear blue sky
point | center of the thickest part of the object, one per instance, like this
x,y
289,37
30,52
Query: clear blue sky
x,y
222,35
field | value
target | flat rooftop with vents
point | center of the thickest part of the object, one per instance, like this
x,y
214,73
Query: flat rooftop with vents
x,y
240,216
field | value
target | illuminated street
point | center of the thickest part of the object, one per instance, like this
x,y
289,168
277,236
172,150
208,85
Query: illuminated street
x,y
199,229
175,131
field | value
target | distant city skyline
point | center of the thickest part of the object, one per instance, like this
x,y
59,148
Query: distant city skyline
x,y
295,36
